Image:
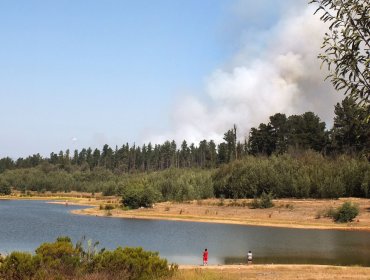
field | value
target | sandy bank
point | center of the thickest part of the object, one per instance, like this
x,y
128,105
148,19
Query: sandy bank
x,y
281,272
289,213
286,213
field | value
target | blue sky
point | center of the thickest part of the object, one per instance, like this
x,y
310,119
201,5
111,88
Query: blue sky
x,y
75,74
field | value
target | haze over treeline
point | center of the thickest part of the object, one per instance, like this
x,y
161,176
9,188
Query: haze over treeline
x,y
290,156
156,76
349,135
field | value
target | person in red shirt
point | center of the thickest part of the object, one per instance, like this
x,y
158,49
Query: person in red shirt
x,y
205,257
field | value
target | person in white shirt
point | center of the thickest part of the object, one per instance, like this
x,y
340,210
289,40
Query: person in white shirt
x,y
249,257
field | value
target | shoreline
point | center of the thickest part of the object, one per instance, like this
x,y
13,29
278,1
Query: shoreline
x,y
161,212
83,212
272,271
251,266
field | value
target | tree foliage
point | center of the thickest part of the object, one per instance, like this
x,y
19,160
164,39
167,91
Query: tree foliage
x,y
134,198
351,131
346,45
63,260
4,187
303,176
303,132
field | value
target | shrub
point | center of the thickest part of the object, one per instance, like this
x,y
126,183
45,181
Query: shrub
x,y
265,201
133,263
135,198
255,203
329,212
346,213
181,185
109,189
4,187
222,201
18,266
61,260
109,207
59,257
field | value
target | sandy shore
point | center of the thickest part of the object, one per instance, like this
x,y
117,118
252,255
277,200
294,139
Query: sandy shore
x,y
281,272
286,213
289,213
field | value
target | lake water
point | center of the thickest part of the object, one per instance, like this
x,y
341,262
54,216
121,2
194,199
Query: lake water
x,y
25,224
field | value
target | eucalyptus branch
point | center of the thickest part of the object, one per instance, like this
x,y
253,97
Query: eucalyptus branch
x,y
346,48
353,24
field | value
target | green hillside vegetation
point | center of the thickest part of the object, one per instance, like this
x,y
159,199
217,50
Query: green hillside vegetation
x,y
290,156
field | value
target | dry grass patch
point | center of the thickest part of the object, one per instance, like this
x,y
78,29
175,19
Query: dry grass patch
x,y
281,272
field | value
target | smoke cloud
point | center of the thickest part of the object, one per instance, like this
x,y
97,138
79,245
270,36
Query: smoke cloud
x,y
282,76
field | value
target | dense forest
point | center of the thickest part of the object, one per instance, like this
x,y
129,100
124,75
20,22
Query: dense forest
x,y
294,156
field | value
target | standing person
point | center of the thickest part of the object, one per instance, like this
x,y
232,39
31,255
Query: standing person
x,y
249,257
205,257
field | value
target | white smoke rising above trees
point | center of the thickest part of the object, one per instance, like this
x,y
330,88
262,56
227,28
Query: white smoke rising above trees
x,y
283,77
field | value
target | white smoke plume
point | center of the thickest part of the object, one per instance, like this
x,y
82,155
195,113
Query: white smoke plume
x,y
283,77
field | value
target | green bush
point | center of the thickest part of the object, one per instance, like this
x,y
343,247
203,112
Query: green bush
x,y
181,184
109,189
265,201
59,257
136,198
133,263
18,266
4,187
61,260
346,213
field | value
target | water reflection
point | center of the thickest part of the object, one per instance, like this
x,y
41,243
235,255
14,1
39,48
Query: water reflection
x,y
26,224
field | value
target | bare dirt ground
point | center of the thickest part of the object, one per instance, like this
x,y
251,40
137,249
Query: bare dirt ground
x,y
293,213
281,272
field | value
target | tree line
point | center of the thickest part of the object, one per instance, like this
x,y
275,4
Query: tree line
x,y
350,135
290,156
305,175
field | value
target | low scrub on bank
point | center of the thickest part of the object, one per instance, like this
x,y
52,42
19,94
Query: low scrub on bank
x,y
347,212
62,260
265,201
310,175
306,175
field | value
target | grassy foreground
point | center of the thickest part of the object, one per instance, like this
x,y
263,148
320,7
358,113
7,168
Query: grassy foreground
x,y
281,272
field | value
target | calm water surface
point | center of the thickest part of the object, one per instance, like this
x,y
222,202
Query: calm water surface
x,y
24,225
